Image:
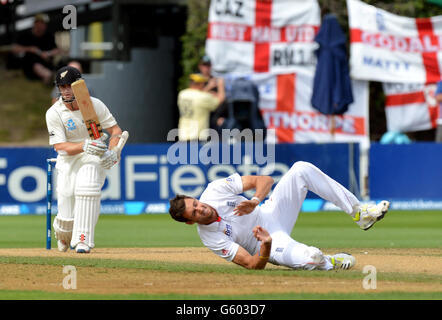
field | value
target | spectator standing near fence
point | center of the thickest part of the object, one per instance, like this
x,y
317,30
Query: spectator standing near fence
x,y
195,105
205,68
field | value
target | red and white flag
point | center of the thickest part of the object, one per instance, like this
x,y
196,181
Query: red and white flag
x,y
390,48
272,43
410,107
285,106
252,36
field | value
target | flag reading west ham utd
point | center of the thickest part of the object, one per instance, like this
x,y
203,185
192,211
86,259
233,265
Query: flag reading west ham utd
x,y
253,36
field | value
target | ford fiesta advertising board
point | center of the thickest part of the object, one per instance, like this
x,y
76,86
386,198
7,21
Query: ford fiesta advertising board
x,y
150,174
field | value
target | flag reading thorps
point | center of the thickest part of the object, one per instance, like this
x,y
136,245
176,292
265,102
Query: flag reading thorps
x,y
389,48
286,108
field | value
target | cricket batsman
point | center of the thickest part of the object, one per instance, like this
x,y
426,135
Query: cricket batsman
x,y
81,164
238,230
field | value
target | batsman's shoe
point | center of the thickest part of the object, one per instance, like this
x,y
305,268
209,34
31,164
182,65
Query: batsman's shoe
x,y
368,214
342,260
82,248
62,246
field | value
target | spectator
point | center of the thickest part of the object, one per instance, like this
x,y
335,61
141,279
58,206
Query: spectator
x,y
195,105
205,68
37,49
438,95
241,110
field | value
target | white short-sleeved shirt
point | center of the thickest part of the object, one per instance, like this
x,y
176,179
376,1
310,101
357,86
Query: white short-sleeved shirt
x,y
65,125
225,236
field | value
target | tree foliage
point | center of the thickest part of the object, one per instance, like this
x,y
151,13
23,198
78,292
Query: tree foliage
x,y
194,39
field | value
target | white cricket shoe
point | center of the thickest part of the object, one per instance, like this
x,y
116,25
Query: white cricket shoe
x,y
62,246
368,214
342,260
82,248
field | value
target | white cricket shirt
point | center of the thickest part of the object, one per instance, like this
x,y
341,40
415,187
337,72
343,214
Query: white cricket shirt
x,y
65,125
225,236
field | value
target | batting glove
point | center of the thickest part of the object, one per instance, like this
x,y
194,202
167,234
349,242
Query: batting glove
x,y
109,159
94,147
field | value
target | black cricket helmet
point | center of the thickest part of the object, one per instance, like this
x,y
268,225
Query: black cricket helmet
x,y
67,75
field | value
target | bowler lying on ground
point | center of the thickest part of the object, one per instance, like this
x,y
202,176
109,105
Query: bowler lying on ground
x,y
239,230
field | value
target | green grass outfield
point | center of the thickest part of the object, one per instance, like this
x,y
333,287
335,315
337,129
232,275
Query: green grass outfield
x,y
400,229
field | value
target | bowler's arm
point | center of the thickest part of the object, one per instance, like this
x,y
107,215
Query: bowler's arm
x,y
262,186
259,260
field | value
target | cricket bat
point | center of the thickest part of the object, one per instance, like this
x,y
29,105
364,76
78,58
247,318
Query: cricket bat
x,y
84,102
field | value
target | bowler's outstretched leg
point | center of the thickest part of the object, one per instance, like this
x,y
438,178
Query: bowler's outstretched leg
x,y
291,190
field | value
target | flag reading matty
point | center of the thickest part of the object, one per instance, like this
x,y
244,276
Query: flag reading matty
x,y
390,48
253,36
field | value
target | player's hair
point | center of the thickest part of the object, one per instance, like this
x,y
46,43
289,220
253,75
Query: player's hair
x,y
177,207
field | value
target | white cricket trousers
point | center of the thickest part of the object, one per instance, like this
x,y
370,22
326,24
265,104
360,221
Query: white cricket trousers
x,y
281,211
79,186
